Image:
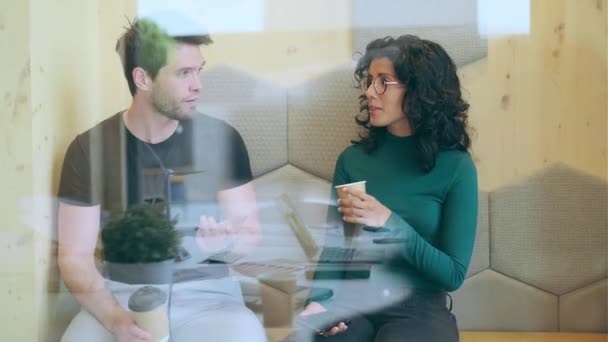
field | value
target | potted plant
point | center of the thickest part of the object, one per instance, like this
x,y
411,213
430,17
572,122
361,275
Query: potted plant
x,y
140,246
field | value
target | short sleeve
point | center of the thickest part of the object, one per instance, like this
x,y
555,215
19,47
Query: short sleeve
x,y
240,167
75,180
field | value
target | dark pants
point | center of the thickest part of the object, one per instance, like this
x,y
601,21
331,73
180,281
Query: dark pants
x,y
422,317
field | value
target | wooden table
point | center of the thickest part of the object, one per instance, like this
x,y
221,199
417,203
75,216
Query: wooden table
x,y
277,334
477,336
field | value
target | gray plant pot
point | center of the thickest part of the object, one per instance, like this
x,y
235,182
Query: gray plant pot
x,y
141,273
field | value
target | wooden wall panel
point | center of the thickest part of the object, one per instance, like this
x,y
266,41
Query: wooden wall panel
x,y
540,98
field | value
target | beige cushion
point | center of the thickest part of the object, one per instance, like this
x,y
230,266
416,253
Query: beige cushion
x,y
256,108
453,24
480,260
321,120
549,230
585,309
492,301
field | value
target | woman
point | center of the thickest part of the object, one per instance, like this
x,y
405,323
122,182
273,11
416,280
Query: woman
x,y
421,185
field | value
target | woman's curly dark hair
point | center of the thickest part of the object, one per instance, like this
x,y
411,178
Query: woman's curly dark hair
x,y
432,102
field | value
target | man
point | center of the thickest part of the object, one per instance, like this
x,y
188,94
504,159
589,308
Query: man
x,y
106,170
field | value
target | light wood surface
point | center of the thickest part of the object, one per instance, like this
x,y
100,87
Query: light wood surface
x,y
540,98
470,336
277,334
60,75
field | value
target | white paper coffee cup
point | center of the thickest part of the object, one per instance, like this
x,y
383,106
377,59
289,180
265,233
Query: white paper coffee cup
x,y
148,307
351,229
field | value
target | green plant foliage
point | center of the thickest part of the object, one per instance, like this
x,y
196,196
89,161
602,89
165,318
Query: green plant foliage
x,y
140,235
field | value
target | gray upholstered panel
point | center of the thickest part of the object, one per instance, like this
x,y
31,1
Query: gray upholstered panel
x,y
414,13
491,301
300,185
461,42
481,251
585,310
63,307
550,230
453,24
309,193
321,120
256,108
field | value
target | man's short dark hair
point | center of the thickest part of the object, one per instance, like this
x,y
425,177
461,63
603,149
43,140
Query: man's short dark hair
x,y
145,44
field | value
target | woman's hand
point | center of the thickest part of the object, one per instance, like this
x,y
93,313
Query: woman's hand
x,y
359,207
315,308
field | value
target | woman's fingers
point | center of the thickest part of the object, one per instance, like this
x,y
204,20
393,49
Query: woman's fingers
x,y
338,329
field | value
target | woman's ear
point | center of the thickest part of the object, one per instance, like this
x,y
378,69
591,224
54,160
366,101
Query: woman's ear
x,y
405,106
141,79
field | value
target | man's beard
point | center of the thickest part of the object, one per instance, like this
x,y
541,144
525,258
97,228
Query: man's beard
x,y
169,107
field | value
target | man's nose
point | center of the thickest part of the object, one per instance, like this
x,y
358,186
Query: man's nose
x,y
196,83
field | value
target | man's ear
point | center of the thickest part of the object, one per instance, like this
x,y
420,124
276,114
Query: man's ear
x,y
141,79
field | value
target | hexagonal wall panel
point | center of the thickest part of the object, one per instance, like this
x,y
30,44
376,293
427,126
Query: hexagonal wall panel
x,y
550,230
585,310
462,43
309,195
300,185
492,301
480,259
321,120
256,108
453,24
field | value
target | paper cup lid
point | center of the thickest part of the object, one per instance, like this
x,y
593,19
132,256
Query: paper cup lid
x,y
349,184
146,299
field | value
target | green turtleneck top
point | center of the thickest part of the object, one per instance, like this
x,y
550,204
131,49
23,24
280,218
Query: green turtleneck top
x,y
435,212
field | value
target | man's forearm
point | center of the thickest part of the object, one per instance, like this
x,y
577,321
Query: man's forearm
x,y
88,286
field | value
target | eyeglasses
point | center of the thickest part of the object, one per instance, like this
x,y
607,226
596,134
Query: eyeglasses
x,y
380,84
